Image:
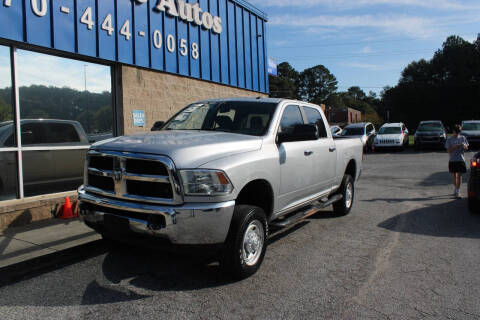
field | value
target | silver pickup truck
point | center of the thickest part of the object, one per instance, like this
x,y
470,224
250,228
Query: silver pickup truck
x,y
221,172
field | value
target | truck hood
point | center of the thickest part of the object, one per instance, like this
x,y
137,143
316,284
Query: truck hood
x,y
188,149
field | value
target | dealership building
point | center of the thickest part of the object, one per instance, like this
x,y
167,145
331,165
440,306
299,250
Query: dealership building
x,y
73,72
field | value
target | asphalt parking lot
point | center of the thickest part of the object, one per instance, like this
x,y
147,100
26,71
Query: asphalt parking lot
x,y
407,250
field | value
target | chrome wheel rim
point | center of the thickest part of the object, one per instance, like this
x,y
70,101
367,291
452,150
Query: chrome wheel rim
x,y
349,195
253,241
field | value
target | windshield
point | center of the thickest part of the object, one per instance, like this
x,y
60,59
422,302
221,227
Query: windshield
x,y
390,130
472,126
353,131
250,118
430,127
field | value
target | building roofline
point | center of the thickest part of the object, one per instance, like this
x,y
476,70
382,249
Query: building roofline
x,y
252,8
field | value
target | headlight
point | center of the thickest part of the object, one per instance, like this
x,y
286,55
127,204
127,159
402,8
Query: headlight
x,y
205,183
444,135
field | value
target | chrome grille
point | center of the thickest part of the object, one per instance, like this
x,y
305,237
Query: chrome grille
x,y
132,176
387,141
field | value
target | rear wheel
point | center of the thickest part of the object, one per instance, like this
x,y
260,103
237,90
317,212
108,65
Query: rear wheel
x,y
246,242
347,190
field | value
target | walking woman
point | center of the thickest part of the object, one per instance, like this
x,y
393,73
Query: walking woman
x,y
456,146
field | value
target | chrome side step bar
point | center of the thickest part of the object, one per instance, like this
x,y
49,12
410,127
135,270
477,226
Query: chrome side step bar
x,y
306,212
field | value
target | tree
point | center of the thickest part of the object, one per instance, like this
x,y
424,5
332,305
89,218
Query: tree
x,y
356,93
285,85
316,84
6,112
447,87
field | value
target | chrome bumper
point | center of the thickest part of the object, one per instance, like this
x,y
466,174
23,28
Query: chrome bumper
x,y
195,223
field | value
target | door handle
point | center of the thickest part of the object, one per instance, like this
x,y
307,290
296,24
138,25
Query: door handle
x,y
308,153
332,149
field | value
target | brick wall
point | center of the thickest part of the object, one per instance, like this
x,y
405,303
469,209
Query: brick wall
x,y
161,95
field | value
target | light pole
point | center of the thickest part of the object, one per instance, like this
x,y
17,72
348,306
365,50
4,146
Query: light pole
x,y
85,76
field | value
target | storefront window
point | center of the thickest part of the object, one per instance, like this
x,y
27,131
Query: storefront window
x,y
65,105
8,155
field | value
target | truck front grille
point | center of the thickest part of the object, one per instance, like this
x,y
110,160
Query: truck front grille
x,y
386,141
101,163
102,183
149,189
138,166
135,177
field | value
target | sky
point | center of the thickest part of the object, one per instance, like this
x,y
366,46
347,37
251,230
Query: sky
x,y
42,69
365,43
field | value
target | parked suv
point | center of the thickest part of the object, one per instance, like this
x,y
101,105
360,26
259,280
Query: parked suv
x,y
471,131
365,131
391,135
430,133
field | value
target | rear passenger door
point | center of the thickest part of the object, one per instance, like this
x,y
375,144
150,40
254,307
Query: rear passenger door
x,y
324,155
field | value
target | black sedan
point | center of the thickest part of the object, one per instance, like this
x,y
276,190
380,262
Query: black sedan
x,y
474,185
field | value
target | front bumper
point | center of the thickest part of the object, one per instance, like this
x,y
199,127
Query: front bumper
x,y
387,145
430,140
188,224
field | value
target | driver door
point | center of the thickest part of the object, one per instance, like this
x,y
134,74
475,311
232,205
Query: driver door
x,y
296,163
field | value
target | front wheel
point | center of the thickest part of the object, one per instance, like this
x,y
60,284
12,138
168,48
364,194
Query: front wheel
x,y
347,190
246,242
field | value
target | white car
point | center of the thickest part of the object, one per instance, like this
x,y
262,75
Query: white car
x,y
391,135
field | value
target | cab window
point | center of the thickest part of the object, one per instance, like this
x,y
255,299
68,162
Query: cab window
x,y
314,117
290,118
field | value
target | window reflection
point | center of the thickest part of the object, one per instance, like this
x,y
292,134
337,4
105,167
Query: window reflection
x,y
8,176
8,160
7,140
63,103
64,89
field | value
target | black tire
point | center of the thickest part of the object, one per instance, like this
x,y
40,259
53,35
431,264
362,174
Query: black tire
x,y
234,260
344,206
473,206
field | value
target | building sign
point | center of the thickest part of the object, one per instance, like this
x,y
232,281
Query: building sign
x,y
272,67
216,40
139,118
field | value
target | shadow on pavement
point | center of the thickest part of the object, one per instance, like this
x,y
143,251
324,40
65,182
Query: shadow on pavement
x,y
161,271
420,199
441,179
451,220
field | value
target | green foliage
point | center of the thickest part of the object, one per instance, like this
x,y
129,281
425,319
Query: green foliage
x,y
316,84
6,112
446,88
285,85
92,110
319,86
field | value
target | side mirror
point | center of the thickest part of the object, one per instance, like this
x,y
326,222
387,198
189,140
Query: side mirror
x,y
301,132
157,126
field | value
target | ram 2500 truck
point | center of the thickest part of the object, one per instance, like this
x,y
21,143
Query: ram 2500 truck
x,y
221,172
